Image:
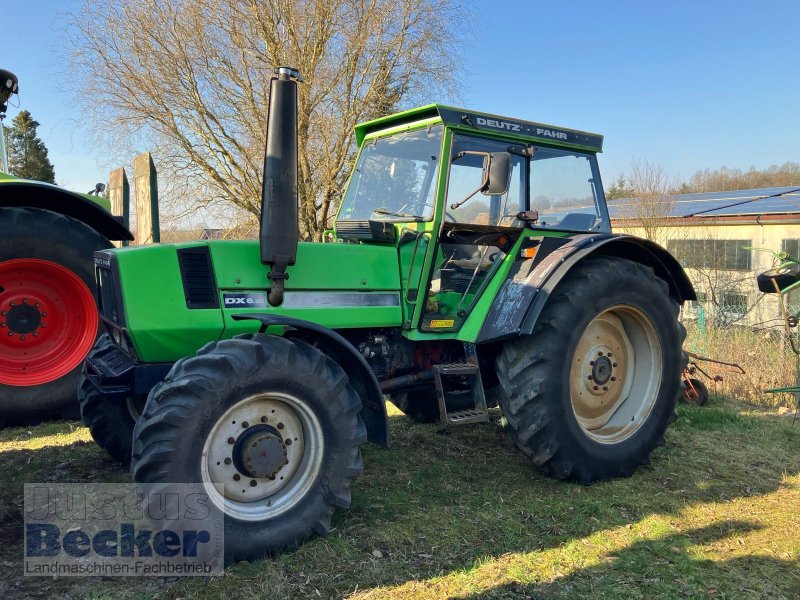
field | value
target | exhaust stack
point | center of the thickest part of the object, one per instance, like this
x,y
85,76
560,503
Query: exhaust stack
x,y
9,86
278,227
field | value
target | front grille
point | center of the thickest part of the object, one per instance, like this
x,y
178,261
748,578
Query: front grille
x,y
197,273
357,230
106,295
109,295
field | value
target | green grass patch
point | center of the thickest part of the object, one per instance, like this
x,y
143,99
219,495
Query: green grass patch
x,y
463,514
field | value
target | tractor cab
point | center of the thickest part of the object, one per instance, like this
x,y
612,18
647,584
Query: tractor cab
x,y
455,190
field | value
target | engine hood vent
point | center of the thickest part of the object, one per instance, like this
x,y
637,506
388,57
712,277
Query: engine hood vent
x,y
369,230
197,274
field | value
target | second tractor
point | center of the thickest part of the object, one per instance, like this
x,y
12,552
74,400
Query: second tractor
x,y
48,316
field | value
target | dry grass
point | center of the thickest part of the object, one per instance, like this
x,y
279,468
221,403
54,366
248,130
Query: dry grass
x,y
766,357
464,515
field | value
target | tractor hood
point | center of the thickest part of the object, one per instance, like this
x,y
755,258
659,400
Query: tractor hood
x,y
171,299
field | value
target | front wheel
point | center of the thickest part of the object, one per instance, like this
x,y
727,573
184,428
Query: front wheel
x,y
270,427
590,393
110,420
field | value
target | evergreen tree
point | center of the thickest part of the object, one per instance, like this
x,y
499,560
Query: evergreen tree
x,y
619,189
27,154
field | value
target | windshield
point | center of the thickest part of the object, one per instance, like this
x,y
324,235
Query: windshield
x,y
395,178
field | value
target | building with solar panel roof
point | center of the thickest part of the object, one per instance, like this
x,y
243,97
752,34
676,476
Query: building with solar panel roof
x,y
715,236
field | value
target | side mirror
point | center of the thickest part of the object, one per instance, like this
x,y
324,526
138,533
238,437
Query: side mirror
x,y
496,173
99,188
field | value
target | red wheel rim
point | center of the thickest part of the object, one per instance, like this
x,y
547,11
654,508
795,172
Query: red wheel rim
x,y
48,321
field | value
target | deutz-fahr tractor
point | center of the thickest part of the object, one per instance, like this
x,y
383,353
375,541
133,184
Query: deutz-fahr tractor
x,y
471,264
48,317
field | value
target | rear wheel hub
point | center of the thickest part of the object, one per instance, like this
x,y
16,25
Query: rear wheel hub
x,y
601,370
23,319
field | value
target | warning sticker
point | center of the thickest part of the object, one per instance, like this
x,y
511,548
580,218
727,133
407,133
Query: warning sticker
x,y
442,323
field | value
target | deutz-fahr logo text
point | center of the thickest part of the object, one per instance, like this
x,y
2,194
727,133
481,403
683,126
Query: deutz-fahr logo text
x,y
257,300
556,135
506,126
499,124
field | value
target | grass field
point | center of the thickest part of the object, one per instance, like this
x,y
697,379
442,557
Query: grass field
x,y
462,514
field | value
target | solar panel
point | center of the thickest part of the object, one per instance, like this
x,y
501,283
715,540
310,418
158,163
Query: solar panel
x,y
715,202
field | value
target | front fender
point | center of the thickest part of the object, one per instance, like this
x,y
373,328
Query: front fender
x,y
363,380
529,285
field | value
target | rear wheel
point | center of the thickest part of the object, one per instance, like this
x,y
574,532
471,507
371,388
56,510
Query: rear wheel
x,y
273,423
48,316
422,405
589,395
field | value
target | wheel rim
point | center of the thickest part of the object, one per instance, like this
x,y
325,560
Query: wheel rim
x,y
615,374
48,321
262,456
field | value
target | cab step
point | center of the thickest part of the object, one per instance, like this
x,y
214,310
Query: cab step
x,y
460,392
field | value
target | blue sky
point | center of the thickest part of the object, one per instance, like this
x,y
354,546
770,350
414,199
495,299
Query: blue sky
x,y
686,85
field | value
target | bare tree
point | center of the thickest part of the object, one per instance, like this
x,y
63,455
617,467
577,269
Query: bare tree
x,y
650,202
725,287
191,79
724,178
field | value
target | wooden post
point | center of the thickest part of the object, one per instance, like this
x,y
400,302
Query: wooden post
x,y
120,195
146,188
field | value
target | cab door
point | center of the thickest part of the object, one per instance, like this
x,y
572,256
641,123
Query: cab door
x,y
475,236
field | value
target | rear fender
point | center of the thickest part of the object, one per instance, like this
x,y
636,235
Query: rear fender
x,y
530,283
363,380
36,194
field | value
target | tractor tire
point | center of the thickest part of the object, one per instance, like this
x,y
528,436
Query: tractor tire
x,y
422,405
696,392
290,411
49,316
110,421
589,395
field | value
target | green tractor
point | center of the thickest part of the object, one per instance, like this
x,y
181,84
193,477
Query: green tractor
x,y
471,264
48,316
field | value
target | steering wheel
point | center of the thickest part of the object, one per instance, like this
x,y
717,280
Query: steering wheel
x,y
450,217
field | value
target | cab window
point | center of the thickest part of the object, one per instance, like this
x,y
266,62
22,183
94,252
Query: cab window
x,y
466,173
563,190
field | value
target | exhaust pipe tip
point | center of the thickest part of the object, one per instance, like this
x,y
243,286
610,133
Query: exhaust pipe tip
x,y
288,73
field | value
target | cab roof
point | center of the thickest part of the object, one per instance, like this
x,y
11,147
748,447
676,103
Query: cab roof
x,y
464,119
